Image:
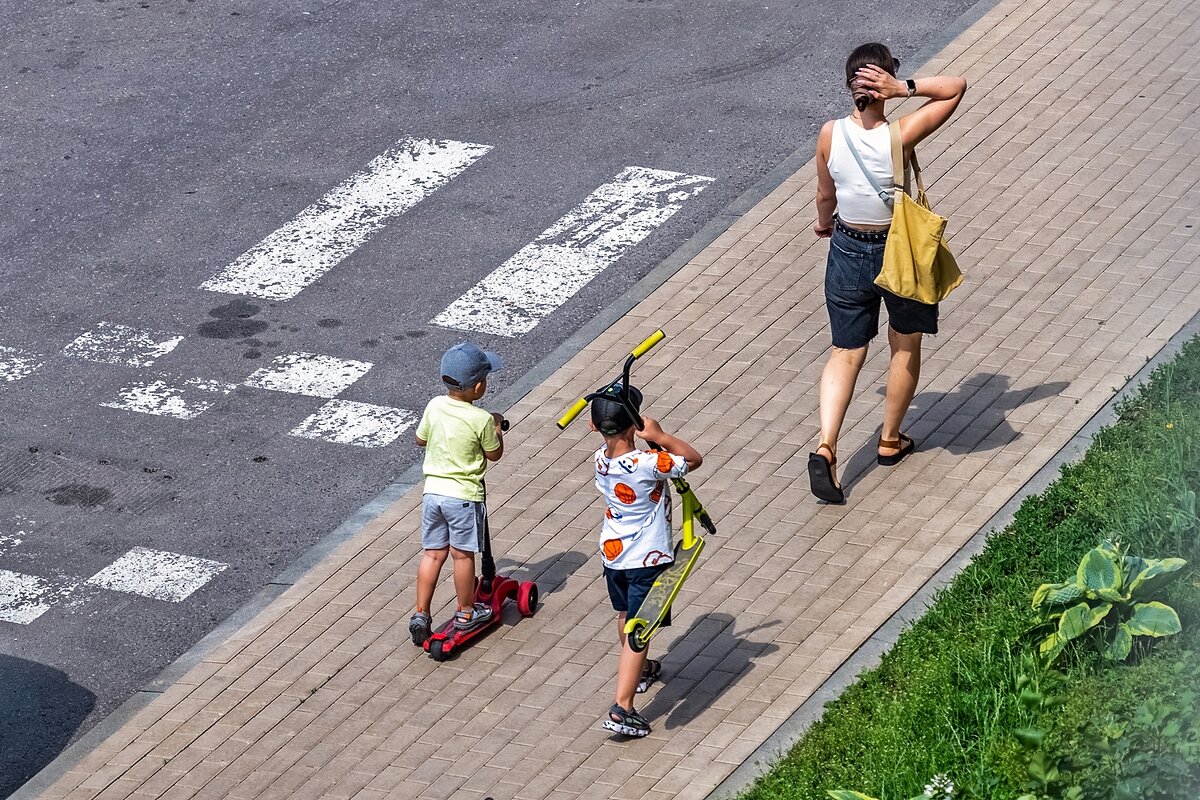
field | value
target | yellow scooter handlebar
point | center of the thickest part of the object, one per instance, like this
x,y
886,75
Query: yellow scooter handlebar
x,y
579,405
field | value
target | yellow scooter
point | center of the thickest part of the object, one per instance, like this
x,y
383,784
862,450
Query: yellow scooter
x,y
647,621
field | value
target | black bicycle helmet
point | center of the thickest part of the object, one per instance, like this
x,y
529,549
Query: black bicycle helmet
x,y
609,414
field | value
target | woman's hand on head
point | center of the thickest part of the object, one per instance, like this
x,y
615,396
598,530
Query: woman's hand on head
x,y
879,84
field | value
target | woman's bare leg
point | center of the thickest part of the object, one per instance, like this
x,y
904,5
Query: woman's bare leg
x,y
904,371
837,387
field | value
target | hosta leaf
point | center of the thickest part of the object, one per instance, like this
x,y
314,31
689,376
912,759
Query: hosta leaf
x,y
846,794
1107,595
1155,575
1098,570
1120,644
1153,619
1039,594
1077,620
1050,647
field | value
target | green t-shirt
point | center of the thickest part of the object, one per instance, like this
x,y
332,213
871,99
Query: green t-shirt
x,y
456,435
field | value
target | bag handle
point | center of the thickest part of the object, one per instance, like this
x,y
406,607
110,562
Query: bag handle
x,y
898,161
884,194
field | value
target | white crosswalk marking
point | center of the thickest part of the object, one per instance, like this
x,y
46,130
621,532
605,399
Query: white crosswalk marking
x,y
24,598
181,398
309,374
361,424
16,364
110,343
556,265
157,574
291,258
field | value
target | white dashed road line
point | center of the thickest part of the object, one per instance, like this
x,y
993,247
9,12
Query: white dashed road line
x,y
322,235
154,574
157,574
361,424
16,364
548,271
110,343
181,398
309,374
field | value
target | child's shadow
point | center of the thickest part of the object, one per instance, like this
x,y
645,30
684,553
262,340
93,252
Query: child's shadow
x,y
716,655
970,419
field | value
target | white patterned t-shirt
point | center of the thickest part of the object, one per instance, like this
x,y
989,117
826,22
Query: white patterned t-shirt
x,y
637,524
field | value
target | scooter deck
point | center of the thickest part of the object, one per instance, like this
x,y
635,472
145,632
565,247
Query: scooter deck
x,y
654,608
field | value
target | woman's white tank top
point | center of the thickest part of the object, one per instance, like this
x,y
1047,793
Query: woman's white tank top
x,y
857,201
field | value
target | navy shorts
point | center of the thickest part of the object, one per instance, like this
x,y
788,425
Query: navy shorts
x,y
852,297
627,588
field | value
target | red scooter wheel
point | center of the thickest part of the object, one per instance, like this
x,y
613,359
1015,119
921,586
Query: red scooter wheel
x,y
527,598
440,649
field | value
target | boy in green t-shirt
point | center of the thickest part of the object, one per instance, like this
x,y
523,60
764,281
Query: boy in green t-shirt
x,y
459,439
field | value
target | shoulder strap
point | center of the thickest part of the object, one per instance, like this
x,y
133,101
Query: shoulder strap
x,y
898,161
884,195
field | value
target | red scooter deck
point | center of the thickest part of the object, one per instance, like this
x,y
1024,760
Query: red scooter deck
x,y
448,640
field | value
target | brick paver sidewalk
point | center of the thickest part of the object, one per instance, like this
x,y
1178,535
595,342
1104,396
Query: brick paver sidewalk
x,y
1070,176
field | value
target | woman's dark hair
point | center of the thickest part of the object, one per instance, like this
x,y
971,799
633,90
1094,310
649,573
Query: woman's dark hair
x,y
871,53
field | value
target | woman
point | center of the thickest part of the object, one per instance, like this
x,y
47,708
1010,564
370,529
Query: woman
x,y
854,216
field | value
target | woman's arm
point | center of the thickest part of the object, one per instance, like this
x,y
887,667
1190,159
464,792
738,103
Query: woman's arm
x,y
826,192
944,93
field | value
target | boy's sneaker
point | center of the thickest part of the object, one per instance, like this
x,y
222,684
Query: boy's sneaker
x,y
468,619
650,674
419,627
627,723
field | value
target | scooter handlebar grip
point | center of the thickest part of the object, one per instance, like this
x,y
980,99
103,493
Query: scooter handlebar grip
x,y
648,343
572,412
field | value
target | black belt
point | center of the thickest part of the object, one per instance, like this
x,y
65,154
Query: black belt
x,y
862,236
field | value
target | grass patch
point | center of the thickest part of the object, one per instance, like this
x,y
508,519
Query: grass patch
x,y
941,700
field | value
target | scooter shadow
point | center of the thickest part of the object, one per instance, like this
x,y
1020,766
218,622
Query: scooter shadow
x,y
549,573
703,664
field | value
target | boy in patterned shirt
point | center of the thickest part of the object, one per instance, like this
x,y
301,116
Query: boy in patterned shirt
x,y
635,540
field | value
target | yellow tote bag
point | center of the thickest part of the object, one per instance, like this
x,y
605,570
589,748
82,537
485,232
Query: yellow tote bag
x,y
916,262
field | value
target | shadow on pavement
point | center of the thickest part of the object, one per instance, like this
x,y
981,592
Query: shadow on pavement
x,y
550,573
970,419
701,666
40,710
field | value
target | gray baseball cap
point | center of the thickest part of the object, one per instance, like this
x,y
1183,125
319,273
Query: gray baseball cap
x,y
466,364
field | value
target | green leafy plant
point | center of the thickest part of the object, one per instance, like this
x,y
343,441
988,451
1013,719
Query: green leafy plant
x,y
1134,734
1109,597
1039,689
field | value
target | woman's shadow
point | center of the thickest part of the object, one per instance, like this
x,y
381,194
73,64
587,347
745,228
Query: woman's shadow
x,y
702,665
971,419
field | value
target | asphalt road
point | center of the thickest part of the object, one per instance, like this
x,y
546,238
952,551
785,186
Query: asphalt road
x,y
146,145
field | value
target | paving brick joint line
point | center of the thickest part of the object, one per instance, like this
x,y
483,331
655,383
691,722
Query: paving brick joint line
x,y
1070,177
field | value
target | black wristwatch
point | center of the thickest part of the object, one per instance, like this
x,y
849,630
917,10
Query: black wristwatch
x,y
912,86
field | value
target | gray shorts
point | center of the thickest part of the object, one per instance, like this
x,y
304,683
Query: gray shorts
x,y
452,522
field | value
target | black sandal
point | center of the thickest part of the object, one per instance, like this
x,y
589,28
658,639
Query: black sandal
x,y
820,476
904,444
650,674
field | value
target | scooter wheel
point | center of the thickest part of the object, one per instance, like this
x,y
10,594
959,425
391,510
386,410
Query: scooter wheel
x,y
440,650
527,598
636,644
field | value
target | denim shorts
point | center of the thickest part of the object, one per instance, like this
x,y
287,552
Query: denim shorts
x,y
852,297
627,588
452,522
